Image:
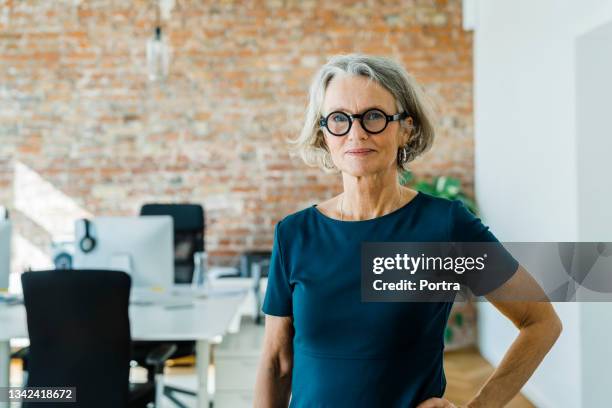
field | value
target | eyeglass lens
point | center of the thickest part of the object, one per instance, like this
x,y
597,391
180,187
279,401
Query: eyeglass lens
x,y
373,121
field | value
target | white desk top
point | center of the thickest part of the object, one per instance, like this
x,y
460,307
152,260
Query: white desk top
x,y
186,317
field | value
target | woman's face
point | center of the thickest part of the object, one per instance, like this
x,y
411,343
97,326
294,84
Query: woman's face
x,y
360,153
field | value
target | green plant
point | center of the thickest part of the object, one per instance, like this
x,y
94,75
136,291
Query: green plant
x,y
440,186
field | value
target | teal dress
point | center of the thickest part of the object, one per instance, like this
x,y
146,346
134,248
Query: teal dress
x,y
349,353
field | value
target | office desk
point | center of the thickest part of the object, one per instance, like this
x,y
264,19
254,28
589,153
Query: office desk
x,y
206,319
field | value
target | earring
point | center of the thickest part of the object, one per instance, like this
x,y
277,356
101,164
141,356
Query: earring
x,y
402,154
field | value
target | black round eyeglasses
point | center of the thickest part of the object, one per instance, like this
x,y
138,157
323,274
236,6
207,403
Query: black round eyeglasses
x,y
373,121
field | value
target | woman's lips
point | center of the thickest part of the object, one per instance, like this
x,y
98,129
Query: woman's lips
x,y
360,152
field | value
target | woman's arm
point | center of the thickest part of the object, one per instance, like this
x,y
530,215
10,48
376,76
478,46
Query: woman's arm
x,y
539,328
273,384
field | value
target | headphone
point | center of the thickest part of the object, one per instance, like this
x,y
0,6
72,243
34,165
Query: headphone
x,y
87,243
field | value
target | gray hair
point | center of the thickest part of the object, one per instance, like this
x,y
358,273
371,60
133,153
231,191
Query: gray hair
x,y
409,97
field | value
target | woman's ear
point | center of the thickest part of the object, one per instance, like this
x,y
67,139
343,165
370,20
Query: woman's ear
x,y
406,129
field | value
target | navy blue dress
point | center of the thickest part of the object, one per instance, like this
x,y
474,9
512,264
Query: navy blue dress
x,y
348,353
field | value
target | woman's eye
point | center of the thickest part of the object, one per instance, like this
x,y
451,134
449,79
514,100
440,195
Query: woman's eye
x,y
339,118
374,116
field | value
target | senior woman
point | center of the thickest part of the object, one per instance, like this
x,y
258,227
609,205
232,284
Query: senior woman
x,y
367,118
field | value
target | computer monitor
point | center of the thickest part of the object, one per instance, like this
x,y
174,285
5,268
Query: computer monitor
x,y
5,253
141,246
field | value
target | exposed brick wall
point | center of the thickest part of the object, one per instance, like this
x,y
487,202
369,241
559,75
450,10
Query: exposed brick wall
x,y
76,107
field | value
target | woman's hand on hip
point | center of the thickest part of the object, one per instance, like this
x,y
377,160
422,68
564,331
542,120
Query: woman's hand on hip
x,y
436,403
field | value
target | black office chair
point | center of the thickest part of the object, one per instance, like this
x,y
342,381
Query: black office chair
x,y
189,224
188,235
79,332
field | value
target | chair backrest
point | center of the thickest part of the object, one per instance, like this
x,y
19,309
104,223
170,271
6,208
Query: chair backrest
x,y
79,331
188,235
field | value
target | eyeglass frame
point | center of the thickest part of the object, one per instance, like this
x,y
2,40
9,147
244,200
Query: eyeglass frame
x,y
388,118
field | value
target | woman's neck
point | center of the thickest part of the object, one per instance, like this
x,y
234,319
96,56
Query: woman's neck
x,y
370,197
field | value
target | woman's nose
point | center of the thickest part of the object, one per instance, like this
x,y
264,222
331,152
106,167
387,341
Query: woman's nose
x,y
357,131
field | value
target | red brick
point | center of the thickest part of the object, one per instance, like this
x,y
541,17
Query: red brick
x,y
217,127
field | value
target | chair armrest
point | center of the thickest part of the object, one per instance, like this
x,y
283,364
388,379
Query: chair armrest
x,y
158,356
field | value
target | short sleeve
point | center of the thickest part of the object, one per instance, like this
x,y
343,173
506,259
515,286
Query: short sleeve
x,y
501,265
278,300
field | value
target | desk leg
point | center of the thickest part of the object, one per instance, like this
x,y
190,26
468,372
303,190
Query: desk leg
x,y
202,363
5,365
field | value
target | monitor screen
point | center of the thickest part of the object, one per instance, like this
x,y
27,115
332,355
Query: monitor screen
x,y
141,246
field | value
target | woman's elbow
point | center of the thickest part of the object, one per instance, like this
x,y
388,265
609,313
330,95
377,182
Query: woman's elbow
x,y
553,326
284,366
544,319
556,325
277,366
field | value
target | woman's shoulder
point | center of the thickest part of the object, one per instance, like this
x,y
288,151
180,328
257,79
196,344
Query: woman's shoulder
x,y
441,208
297,218
305,214
437,203
328,208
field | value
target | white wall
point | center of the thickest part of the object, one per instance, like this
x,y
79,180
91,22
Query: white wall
x,y
594,146
537,165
